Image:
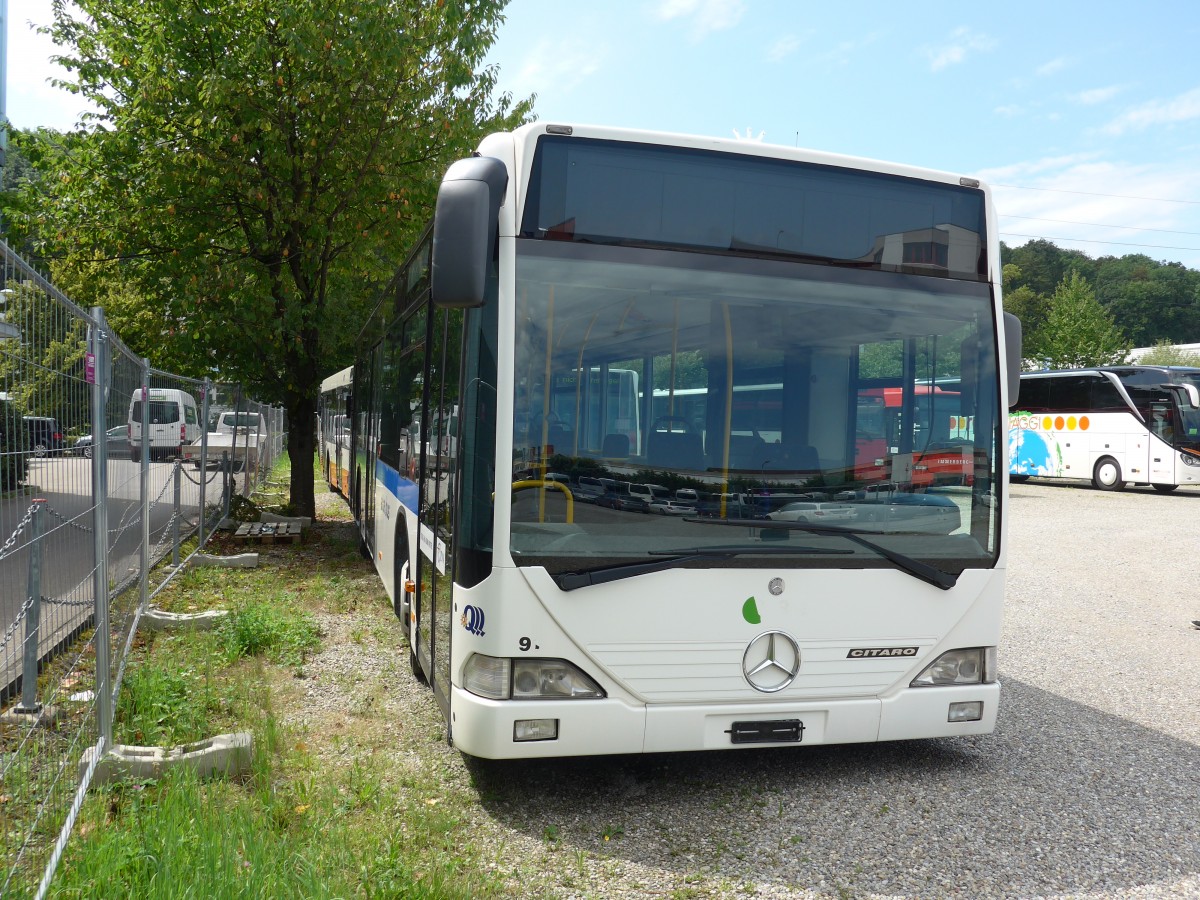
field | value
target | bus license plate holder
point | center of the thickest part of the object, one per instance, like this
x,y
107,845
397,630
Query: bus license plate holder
x,y
767,731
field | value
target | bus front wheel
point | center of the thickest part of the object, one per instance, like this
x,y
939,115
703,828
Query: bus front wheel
x,y
1165,488
1107,474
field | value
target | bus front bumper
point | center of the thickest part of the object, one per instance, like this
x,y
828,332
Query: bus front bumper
x,y
489,728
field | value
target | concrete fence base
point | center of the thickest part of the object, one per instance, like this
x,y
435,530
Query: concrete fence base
x,y
226,754
157,620
239,561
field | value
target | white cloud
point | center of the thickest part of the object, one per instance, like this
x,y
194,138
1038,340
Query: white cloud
x,y
844,53
1055,65
962,42
1099,206
1009,111
783,48
1096,96
555,67
1157,112
32,101
704,16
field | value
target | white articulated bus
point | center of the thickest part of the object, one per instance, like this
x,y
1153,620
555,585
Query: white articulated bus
x,y
587,310
1112,424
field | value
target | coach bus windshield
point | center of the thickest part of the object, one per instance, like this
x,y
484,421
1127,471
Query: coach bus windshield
x,y
667,402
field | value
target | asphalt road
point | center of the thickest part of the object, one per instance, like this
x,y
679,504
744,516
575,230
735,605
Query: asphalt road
x,y
68,551
1088,787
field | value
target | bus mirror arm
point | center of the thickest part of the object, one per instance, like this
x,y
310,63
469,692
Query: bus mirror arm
x,y
1187,390
1012,355
465,222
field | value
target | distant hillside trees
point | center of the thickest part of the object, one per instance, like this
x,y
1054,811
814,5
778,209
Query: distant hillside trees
x,y
1146,302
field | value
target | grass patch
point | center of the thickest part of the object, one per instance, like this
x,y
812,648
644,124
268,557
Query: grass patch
x,y
277,631
347,798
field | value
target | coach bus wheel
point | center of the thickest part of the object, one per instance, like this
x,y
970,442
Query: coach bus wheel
x,y
1107,474
1018,479
1165,488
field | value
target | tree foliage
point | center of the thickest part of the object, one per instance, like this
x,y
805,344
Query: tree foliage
x,y
1151,301
1164,353
1078,332
256,171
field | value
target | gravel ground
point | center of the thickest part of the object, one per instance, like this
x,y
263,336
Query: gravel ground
x,y
1088,788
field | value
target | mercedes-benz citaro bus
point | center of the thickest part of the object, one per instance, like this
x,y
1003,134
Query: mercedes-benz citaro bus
x,y
592,302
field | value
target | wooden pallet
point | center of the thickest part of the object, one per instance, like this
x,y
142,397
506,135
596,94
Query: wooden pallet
x,y
268,532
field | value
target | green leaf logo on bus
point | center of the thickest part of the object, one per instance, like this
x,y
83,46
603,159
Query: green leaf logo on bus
x,y
750,612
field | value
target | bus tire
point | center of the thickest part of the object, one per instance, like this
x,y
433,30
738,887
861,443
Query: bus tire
x,y
1018,479
1165,488
1107,474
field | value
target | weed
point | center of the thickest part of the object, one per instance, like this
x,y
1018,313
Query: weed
x,y
269,629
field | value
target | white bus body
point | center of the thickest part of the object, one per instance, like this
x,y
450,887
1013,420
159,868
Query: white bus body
x,y
546,626
333,422
1113,425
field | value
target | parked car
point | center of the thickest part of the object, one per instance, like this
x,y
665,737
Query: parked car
x,y
116,438
814,511
670,507
588,490
42,435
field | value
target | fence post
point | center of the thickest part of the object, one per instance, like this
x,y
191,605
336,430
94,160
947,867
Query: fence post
x,y
177,514
225,496
203,470
144,599
100,389
29,670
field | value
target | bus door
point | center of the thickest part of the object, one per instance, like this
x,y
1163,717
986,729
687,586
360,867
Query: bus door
x,y
437,516
1164,426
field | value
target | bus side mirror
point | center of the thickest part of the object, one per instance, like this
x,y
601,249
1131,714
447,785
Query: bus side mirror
x,y
1012,354
464,231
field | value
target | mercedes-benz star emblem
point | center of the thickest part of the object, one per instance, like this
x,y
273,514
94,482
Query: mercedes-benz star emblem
x,y
771,661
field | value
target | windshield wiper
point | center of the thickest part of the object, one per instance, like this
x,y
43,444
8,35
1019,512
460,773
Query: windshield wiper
x,y
570,581
914,567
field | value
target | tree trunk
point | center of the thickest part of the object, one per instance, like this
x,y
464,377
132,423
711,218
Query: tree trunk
x,y
301,446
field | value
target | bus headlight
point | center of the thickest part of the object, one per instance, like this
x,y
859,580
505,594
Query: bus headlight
x,y
976,665
527,679
1189,459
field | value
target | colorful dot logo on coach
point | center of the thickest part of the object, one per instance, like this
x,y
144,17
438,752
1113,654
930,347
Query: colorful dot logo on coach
x,y
472,620
750,612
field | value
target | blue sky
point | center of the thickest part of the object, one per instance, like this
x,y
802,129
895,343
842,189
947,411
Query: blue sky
x,y
1084,117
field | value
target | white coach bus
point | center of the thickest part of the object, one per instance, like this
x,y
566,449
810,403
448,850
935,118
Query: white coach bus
x,y
549,627
1112,424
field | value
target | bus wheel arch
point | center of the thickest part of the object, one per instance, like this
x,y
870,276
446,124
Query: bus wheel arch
x,y
1106,475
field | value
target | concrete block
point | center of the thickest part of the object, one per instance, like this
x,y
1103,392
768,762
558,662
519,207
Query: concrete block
x,y
238,561
157,620
224,754
42,717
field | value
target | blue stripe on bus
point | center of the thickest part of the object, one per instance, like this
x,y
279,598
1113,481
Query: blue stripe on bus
x,y
403,489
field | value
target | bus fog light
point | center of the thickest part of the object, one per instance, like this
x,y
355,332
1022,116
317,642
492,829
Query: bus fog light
x,y
970,711
551,679
535,730
972,666
487,676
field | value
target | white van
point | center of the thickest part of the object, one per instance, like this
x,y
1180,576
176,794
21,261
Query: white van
x,y
174,421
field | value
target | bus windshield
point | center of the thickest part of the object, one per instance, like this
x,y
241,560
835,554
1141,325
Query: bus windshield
x,y
748,389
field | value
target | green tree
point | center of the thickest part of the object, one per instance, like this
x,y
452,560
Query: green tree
x,y
1078,332
255,172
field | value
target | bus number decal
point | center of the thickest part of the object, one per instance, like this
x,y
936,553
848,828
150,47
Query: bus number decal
x,y
525,644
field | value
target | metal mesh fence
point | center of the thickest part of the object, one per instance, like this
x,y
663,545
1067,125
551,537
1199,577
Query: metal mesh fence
x,y
105,466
